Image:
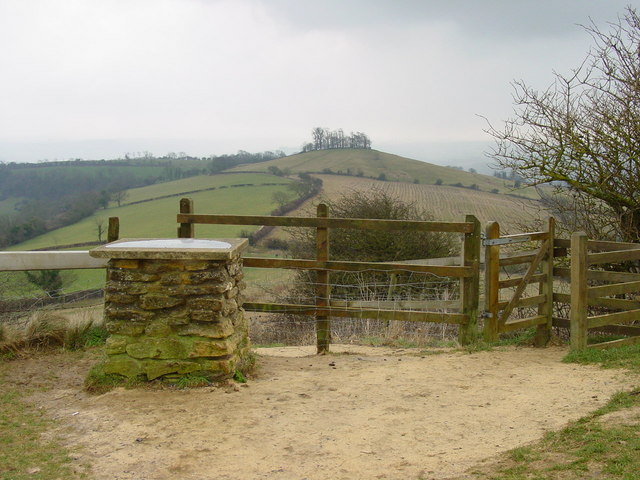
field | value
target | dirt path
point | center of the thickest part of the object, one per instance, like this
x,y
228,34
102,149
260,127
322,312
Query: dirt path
x,y
372,414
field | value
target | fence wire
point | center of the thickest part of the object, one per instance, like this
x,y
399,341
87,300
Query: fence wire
x,y
377,290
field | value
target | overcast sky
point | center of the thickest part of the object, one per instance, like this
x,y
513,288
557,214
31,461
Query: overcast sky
x,y
99,78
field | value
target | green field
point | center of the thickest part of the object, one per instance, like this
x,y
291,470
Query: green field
x,y
8,206
199,183
108,169
157,218
373,163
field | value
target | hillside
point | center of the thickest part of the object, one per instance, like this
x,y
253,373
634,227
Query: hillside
x,y
373,164
444,202
151,211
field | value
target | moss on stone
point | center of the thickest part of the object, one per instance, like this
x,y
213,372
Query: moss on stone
x,y
159,368
220,329
122,365
123,327
156,301
162,348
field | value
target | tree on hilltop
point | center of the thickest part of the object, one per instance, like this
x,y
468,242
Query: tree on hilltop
x,y
325,139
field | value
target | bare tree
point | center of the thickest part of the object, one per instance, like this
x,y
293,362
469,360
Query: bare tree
x,y
100,227
582,135
119,196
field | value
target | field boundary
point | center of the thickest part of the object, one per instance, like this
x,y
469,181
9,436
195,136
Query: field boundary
x,y
467,273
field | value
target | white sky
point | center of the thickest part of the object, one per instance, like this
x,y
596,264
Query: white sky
x,y
99,78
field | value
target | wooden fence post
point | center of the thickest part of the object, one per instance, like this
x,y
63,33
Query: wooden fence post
x,y
186,230
323,288
113,233
491,279
543,332
578,315
468,333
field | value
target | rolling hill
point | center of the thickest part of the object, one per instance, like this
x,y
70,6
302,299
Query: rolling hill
x,y
374,164
443,202
151,211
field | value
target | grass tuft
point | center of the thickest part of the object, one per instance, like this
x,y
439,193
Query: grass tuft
x,y
621,357
99,382
246,366
193,380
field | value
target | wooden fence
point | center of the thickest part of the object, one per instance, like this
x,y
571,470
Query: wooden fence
x,y
599,297
598,301
468,272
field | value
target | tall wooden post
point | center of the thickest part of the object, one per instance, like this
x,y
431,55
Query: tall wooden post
x,y
113,233
186,230
468,333
578,315
491,280
543,332
323,287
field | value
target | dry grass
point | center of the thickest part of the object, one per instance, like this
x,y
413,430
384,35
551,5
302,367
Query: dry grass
x,y
45,329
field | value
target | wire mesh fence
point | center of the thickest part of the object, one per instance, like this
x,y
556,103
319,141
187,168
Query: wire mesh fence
x,y
372,297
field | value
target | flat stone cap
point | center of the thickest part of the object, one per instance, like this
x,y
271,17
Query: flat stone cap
x,y
172,248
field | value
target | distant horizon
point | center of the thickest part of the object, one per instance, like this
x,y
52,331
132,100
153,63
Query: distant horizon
x,y
423,79
466,154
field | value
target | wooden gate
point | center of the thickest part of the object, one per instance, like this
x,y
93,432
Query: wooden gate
x,y
501,305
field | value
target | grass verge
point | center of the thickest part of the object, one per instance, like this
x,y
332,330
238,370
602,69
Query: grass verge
x,y
604,444
622,357
595,446
23,452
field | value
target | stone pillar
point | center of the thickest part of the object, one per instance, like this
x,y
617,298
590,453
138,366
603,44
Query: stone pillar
x,y
173,307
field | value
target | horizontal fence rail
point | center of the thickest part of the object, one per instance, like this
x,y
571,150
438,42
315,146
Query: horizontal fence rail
x,y
332,265
49,260
319,222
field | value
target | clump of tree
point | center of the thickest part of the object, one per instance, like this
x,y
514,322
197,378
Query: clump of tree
x,y
582,135
55,194
374,246
51,282
325,139
223,162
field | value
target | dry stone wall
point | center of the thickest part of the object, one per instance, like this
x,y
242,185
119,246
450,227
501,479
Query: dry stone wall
x,y
169,318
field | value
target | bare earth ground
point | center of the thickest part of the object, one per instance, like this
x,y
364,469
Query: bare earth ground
x,y
371,413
